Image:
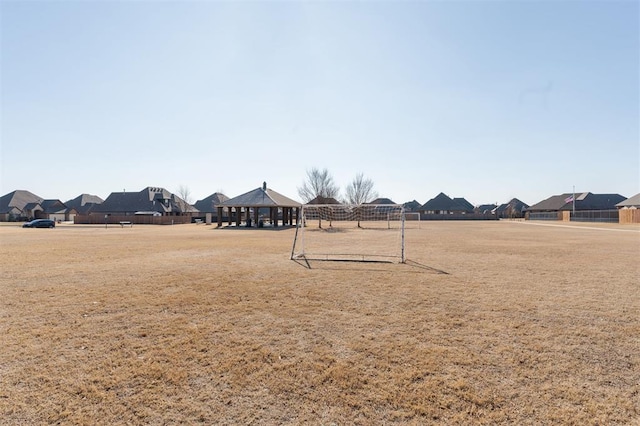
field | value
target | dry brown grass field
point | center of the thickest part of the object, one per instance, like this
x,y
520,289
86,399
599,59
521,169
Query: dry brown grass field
x,y
489,323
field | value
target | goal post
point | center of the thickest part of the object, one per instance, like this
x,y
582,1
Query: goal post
x,y
343,232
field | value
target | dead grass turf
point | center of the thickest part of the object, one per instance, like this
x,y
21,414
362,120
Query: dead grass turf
x,y
188,324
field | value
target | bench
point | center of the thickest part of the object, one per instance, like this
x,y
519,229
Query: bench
x,y
125,222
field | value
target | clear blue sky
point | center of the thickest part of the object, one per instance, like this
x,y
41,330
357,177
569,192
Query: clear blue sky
x,y
486,100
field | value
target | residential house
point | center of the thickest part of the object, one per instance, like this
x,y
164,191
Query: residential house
x,y
514,209
412,206
485,208
54,210
629,210
83,204
209,206
135,206
587,206
19,205
441,204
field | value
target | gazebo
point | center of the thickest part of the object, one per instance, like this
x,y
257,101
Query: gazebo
x,y
280,208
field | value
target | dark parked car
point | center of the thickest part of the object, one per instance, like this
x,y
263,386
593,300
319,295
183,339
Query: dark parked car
x,y
40,223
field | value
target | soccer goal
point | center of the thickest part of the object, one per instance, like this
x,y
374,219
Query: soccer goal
x,y
359,233
413,218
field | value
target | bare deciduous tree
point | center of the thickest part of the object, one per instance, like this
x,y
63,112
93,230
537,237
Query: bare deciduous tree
x,y
319,183
184,198
360,191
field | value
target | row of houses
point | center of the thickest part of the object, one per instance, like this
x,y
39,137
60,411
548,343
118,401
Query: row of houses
x,y
158,205
581,207
23,205
443,206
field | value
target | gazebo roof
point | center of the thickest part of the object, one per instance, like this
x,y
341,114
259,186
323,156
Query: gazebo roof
x,y
261,197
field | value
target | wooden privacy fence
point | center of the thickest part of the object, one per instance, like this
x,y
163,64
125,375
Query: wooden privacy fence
x,y
112,219
629,215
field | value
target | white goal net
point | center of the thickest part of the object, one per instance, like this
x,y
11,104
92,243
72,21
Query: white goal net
x,y
342,232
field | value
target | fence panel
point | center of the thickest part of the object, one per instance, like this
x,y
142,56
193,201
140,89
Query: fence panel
x,y
544,216
458,216
595,216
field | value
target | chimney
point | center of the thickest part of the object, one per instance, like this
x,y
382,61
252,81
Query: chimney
x,y
264,186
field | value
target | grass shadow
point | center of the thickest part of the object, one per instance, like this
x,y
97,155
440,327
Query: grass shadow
x,y
409,266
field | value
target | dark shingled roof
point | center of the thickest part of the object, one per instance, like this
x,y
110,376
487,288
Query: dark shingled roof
x,y
412,205
584,201
150,199
84,203
53,206
443,202
381,201
210,204
324,200
514,205
464,204
486,208
82,200
439,202
261,197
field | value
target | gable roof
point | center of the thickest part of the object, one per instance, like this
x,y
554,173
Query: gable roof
x,y
261,197
210,203
17,200
583,201
53,206
630,202
30,206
